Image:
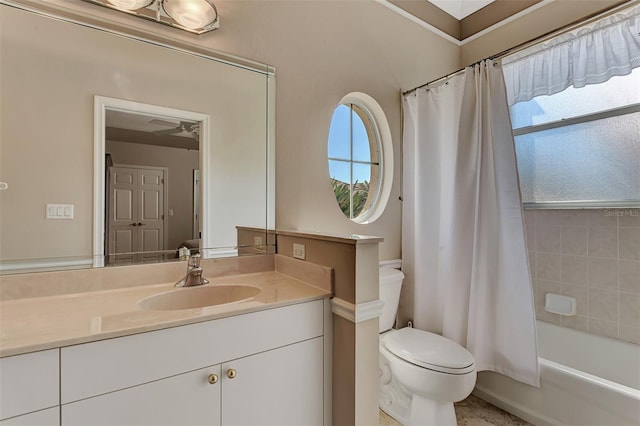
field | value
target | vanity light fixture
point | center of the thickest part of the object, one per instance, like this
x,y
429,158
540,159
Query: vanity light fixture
x,y
195,16
130,4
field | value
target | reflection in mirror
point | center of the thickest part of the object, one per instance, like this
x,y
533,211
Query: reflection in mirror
x,y
152,171
52,216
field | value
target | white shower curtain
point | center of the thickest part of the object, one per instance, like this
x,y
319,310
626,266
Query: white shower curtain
x,y
463,237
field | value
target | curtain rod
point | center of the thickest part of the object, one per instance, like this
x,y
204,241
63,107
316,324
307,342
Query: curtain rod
x,y
546,36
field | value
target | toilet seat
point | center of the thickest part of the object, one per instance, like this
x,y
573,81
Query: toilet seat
x,y
429,350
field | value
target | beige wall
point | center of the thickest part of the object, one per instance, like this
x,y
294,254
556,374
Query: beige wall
x,y
339,256
323,50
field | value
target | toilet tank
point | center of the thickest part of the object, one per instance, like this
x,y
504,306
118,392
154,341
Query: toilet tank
x,y
390,285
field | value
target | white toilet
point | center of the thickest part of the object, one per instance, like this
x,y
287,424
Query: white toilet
x,y
421,374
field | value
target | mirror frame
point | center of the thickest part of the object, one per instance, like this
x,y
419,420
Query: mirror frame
x,y
100,106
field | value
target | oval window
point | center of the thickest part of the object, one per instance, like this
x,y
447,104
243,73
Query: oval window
x,y
360,157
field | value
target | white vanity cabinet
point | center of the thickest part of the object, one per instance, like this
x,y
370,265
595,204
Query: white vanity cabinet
x,y
29,389
277,387
259,368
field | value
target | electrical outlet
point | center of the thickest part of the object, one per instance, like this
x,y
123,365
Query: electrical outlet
x,y
298,251
257,241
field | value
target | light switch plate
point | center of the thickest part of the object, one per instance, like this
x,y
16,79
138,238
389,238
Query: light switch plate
x,y
59,211
257,241
298,251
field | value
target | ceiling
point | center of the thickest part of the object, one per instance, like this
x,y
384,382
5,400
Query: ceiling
x,y
131,127
460,9
462,19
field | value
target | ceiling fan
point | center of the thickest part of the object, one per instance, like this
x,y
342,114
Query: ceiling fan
x,y
183,128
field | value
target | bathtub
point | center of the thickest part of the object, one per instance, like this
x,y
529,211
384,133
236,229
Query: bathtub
x,y
584,380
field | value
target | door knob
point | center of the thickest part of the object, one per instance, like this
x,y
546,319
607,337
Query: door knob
x,y
231,373
212,379
134,224
140,224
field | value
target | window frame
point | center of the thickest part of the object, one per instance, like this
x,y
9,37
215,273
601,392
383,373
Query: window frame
x,y
379,135
586,118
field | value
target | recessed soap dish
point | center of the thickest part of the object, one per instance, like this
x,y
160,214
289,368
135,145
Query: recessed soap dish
x,y
559,304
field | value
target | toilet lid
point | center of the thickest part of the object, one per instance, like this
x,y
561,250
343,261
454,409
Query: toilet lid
x,y
430,351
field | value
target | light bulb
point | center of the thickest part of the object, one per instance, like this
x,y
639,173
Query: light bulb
x,y
192,14
130,4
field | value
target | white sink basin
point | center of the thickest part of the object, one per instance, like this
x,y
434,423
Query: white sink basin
x,y
198,297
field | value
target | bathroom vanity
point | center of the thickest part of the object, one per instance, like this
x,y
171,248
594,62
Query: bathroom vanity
x,y
204,366
211,373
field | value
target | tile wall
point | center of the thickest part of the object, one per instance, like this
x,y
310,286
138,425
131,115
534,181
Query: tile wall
x,y
593,256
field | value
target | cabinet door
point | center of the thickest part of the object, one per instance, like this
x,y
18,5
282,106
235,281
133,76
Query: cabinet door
x,y
48,417
279,387
185,399
29,383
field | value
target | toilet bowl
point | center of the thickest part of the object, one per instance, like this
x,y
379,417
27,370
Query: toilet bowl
x,y
421,373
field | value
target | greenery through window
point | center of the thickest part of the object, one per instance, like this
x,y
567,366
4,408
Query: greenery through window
x,y
354,152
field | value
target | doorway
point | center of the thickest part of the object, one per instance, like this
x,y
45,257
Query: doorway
x,y
140,214
136,222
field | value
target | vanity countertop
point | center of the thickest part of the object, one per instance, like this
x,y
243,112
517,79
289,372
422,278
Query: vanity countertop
x,y
39,323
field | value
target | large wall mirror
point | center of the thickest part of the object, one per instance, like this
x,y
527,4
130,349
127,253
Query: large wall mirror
x,y
116,150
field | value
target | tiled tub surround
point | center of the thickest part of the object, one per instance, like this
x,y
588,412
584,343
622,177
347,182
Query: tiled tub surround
x,y
49,321
592,255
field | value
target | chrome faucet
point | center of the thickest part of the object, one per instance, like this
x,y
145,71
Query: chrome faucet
x,y
194,273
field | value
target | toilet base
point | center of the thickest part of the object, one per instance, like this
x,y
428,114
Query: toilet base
x,y
412,410
424,412
421,412
394,403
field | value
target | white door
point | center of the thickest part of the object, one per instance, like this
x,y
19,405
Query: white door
x,y
136,213
150,201
123,216
280,387
196,204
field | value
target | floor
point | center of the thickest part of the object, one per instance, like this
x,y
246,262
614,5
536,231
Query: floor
x,y
473,411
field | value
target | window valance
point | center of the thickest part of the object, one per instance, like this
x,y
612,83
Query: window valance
x,y
588,55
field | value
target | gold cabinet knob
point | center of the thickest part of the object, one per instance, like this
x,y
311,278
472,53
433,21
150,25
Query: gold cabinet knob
x,y
213,379
231,373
